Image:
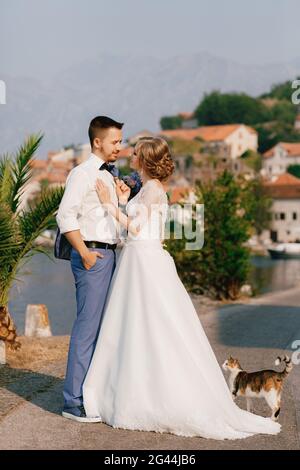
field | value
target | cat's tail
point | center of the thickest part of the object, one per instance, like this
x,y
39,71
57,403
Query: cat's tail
x,y
288,365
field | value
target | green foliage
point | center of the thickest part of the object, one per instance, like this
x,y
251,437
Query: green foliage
x,y
20,228
281,91
20,171
294,170
170,122
257,205
221,267
269,134
284,111
228,108
273,123
253,160
124,170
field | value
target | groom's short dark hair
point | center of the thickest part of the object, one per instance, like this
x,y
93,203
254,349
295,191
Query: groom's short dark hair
x,y
100,123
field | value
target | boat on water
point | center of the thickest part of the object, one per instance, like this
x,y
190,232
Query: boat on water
x,y
285,251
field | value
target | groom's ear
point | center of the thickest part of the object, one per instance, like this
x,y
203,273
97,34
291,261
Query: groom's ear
x,y
97,143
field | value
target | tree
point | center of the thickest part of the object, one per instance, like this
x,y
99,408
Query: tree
x,y
284,111
294,170
281,91
253,160
256,203
270,133
19,227
221,267
231,108
170,122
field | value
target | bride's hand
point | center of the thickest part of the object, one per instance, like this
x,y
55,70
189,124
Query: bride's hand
x,y
103,192
122,190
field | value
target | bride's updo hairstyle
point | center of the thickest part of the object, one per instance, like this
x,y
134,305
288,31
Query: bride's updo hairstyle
x,y
154,157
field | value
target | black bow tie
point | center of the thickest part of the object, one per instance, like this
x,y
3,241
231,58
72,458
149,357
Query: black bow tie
x,y
112,169
106,166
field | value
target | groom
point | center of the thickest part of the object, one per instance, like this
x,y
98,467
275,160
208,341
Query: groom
x,y
94,235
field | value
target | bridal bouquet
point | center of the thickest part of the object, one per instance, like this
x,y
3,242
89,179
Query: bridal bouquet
x,y
134,182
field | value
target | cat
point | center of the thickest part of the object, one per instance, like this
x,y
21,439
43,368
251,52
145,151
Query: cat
x,y
265,384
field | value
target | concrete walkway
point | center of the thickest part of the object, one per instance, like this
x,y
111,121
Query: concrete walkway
x,y
255,332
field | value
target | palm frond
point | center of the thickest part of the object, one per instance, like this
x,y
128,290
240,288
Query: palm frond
x,y
19,229
29,224
36,219
6,179
3,160
21,169
9,248
9,240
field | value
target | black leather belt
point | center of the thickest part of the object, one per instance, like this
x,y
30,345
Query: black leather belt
x,y
106,246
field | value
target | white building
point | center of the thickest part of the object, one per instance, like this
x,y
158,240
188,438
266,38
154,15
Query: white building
x,y
277,160
188,120
285,192
237,137
63,156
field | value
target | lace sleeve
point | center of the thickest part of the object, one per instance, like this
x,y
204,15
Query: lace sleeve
x,y
150,199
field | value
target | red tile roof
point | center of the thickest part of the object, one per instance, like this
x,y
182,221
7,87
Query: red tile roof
x,y
57,177
284,179
286,186
67,166
207,133
292,149
38,164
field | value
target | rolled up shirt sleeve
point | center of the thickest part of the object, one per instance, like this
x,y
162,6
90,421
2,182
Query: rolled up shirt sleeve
x,y
77,186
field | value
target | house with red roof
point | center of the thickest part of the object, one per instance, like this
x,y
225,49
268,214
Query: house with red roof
x,y
285,193
277,160
236,137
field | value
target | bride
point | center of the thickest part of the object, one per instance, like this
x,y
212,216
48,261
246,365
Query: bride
x,y
153,368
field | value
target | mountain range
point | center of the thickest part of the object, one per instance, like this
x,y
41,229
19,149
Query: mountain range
x,y
132,89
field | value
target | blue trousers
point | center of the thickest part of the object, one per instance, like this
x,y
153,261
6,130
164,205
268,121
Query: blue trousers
x,y
91,292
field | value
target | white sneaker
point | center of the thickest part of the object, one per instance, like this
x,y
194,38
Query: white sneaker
x,y
78,414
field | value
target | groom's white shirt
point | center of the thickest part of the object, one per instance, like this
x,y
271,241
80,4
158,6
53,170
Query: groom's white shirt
x,y
80,208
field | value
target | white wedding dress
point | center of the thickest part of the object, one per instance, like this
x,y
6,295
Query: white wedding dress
x,y
153,368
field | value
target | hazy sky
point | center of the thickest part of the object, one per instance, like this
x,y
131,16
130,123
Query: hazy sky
x,y
40,38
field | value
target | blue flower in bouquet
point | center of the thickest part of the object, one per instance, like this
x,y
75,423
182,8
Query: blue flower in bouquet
x,y
134,182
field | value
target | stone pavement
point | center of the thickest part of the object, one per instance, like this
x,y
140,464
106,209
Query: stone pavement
x,y
254,331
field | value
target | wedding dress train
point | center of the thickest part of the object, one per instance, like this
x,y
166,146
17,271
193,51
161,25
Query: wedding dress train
x,y
153,368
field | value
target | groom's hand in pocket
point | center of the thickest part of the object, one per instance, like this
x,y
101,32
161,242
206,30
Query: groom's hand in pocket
x,y
89,259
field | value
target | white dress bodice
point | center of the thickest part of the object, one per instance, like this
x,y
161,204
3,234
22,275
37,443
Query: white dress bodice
x,y
148,211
